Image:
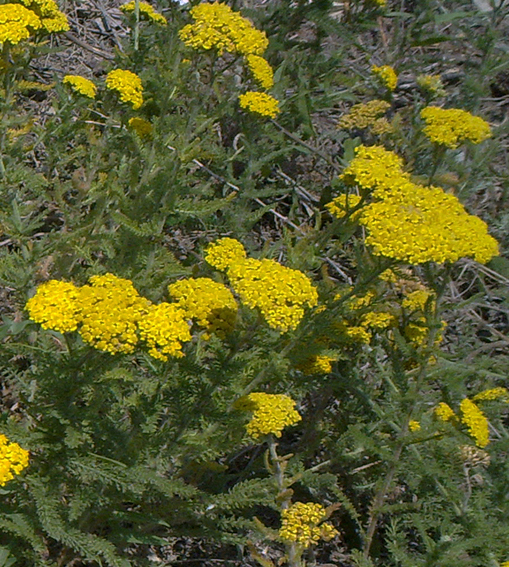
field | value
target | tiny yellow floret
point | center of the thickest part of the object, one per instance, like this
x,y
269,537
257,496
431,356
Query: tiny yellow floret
x,y
81,85
127,85
262,104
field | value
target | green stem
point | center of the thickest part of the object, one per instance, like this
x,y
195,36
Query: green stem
x,y
137,25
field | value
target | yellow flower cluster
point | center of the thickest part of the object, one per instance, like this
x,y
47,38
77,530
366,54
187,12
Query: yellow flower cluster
x,y
450,127
279,293
146,10
414,426
164,328
16,23
426,225
271,413
55,306
303,524
342,206
386,75
317,364
412,223
141,126
13,459
475,421
210,303
366,115
431,84
260,103
492,394
81,85
52,19
444,412
217,26
224,252
109,311
127,85
261,70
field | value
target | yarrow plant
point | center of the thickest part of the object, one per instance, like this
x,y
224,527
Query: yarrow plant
x,y
386,75
146,11
303,524
81,85
17,23
262,104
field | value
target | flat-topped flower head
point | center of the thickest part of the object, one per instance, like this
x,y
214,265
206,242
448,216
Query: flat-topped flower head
x,y
303,524
451,127
13,459
317,364
261,70
211,304
271,413
444,412
279,293
492,394
141,126
109,311
262,104
81,85
386,75
363,115
222,253
217,26
127,85
52,19
476,422
146,11
164,328
424,224
17,23
55,306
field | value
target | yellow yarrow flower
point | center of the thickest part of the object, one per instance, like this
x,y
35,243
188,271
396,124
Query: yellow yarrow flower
x,y
141,126
431,84
55,306
260,103
363,115
317,364
280,293
164,328
217,26
414,426
386,75
492,394
146,10
261,70
127,85
475,421
110,309
302,524
224,252
423,224
17,23
342,206
210,303
271,413
81,85
444,412
453,126
13,459
52,19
